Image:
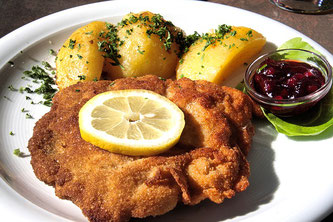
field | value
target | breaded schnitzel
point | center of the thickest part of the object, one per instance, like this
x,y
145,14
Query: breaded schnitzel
x,y
208,162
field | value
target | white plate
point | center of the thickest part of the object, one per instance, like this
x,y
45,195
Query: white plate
x,y
291,178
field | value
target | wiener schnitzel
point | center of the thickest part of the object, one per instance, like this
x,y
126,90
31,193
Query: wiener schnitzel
x,y
208,162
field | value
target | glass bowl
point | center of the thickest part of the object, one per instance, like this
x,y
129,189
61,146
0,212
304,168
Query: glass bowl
x,y
292,106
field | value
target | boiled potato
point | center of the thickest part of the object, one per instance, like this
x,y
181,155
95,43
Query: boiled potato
x,y
80,58
214,59
141,53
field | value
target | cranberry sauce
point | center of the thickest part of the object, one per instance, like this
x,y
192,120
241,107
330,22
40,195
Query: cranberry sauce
x,y
286,79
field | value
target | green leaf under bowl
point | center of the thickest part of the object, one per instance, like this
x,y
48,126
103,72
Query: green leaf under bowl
x,y
312,122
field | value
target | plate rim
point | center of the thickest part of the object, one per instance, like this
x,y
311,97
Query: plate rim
x,y
32,26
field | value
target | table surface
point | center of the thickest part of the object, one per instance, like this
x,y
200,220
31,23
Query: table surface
x,y
16,13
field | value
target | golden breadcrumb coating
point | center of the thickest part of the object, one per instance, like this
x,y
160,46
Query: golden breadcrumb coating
x,y
208,162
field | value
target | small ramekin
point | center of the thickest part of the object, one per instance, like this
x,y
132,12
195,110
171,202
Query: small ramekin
x,y
290,107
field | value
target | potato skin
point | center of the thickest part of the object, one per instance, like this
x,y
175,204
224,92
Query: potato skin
x,y
217,62
80,59
142,54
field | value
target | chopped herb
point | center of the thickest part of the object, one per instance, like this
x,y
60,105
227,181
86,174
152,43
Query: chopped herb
x,y
249,33
17,152
11,88
23,110
46,65
129,31
232,45
182,76
218,35
261,68
28,116
11,133
161,78
52,52
78,55
78,46
203,56
82,77
27,98
112,83
233,33
71,43
245,63
244,39
11,63
87,62
26,89
140,51
77,90
88,33
95,79
47,103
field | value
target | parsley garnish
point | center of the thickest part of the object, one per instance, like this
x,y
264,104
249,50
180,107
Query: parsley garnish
x,y
140,51
11,88
249,33
17,152
233,33
110,45
71,43
82,77
38,73
52,52
28,116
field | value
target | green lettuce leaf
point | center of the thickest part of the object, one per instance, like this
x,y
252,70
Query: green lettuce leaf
x,y
298,43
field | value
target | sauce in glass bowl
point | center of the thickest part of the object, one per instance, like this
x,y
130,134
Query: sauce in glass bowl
x,y
286,79
288,82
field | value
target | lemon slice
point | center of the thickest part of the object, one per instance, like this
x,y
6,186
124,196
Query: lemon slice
x,y
131,122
